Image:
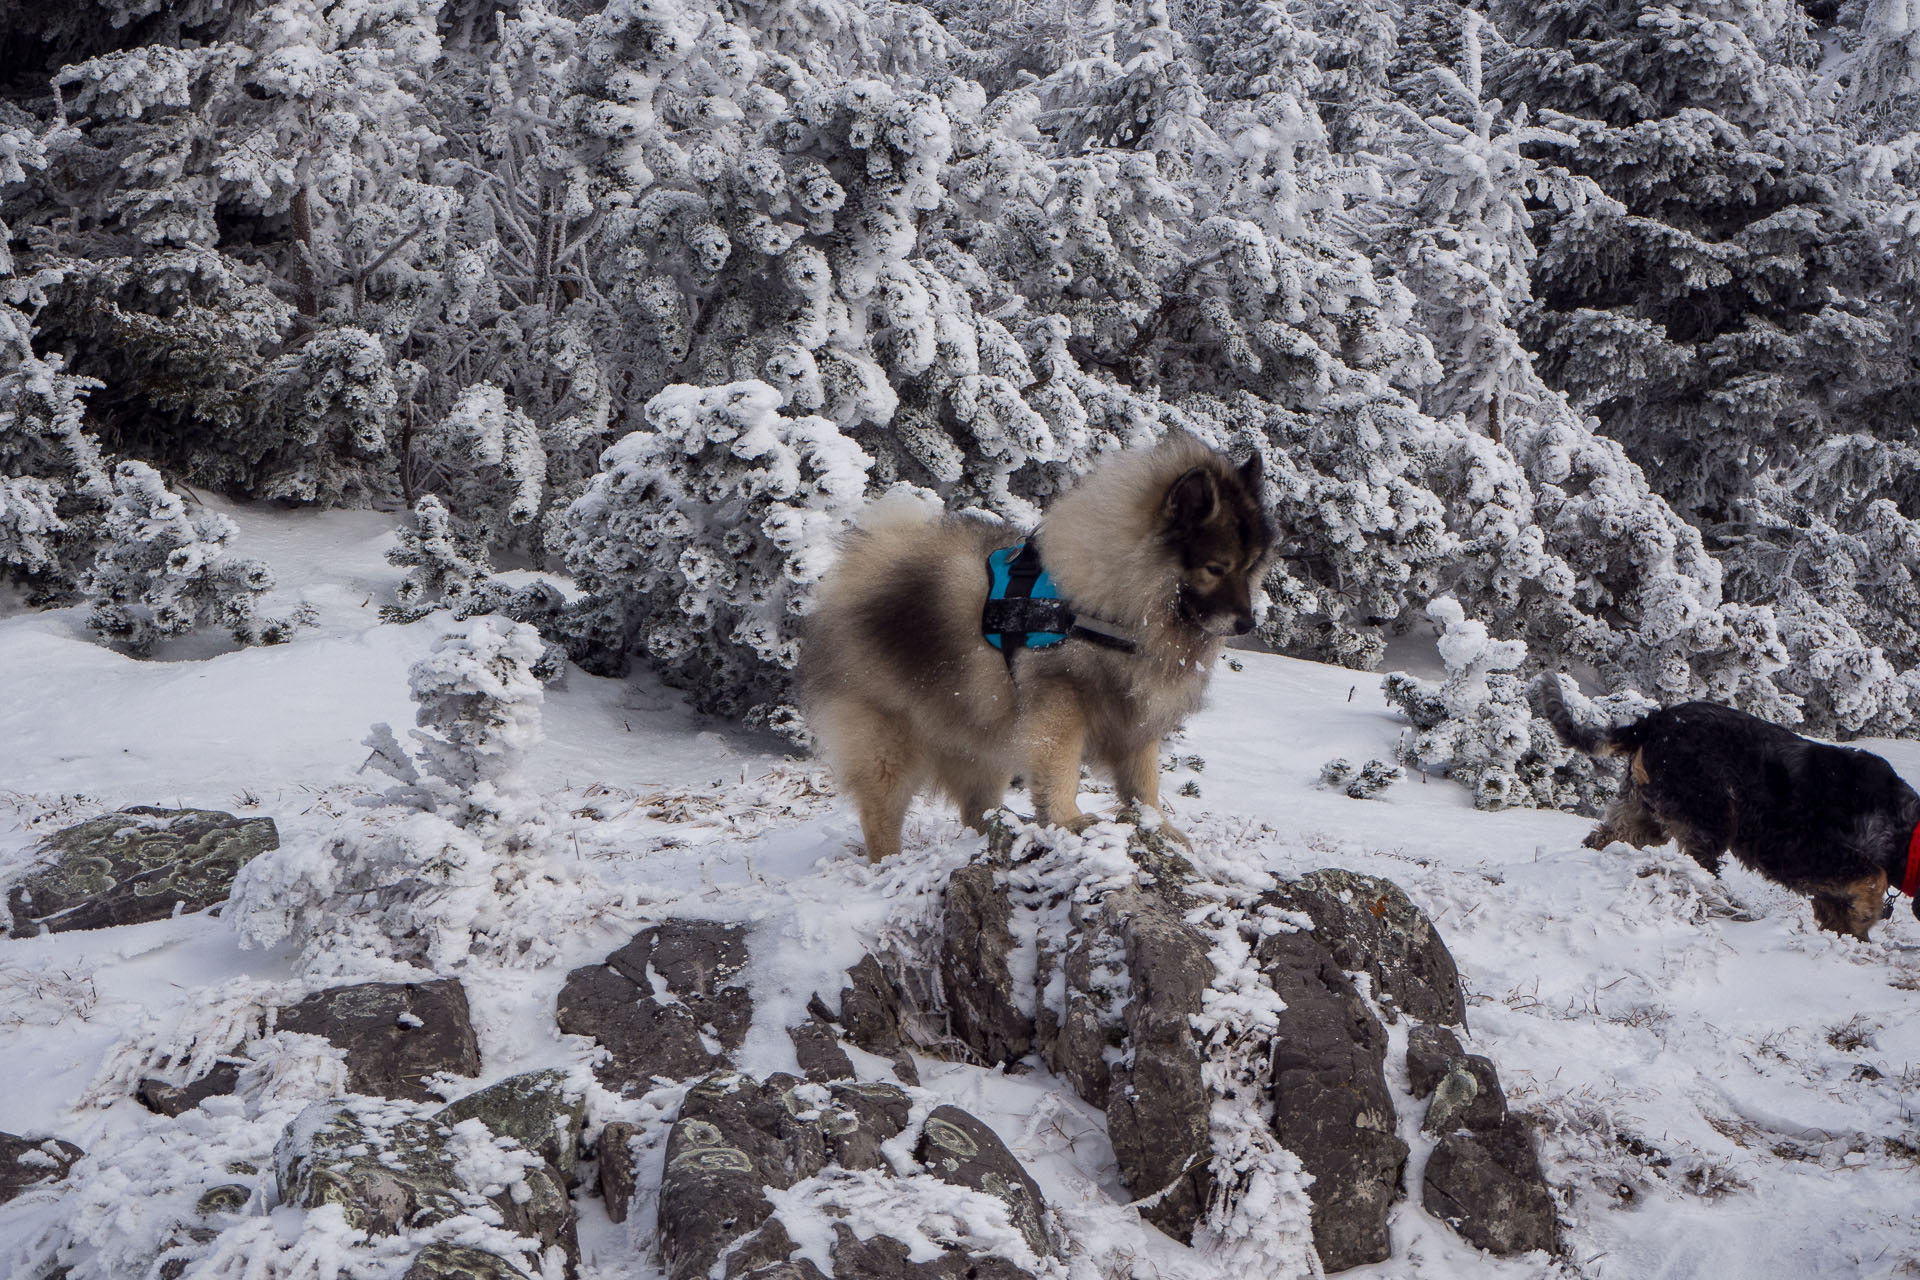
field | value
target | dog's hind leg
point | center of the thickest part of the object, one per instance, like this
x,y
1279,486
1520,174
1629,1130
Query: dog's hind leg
x,y
976,787
1136,776
1704,834
882,770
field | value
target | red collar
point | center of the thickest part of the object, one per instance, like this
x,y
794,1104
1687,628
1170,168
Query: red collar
x,y
1911,881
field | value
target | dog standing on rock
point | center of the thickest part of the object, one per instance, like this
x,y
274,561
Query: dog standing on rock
x,y
939,656
1832,822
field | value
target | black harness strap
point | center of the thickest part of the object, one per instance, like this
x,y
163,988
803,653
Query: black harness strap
x,y
1015,617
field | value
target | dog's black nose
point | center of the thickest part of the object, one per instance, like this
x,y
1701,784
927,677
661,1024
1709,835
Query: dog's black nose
x,y
1243,624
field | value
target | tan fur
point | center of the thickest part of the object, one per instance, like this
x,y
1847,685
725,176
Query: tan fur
x,y
904,695
1855,908
1638,768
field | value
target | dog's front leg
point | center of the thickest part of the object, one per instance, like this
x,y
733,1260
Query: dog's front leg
x,y
1137,778
1056,735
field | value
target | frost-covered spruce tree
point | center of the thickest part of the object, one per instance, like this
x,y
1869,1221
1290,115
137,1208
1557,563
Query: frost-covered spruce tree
x,y
445,865
292,131
54,485
698,542
53,481
1739,317
164,571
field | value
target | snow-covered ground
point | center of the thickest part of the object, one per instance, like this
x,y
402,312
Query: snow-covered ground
x,y
1724,1090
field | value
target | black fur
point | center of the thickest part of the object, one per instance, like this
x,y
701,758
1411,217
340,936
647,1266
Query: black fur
x,y
1819,819
1218,522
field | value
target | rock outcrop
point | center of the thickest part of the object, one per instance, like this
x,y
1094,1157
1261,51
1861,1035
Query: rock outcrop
x,y
748,1159
397,1034
27,1161
686,1025
133,866
1125,982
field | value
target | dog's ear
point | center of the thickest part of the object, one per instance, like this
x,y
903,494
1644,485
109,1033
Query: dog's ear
x,y
1250,473
1193,499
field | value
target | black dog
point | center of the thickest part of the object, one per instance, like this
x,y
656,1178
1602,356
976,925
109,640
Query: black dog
x,y
1832,822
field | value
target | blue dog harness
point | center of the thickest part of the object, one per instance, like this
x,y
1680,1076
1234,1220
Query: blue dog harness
x,y
1025,609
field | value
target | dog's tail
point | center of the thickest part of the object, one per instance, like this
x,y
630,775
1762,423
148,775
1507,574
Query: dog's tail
x,y
1594,740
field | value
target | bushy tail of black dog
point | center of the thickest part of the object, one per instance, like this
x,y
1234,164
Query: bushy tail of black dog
x,y
1594,740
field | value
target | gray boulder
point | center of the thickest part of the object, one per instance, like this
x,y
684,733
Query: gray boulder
x,y
1487,1185
874,1013
687,1029
1372,927
1332,1107
1484,1178
1158,1104
817,1049
396,1034
167,1099
136,865
1431,1053
537,1110
618,1172
27,1161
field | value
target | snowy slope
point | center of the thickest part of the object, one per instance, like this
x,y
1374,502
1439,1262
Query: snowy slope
x,y
1724,1090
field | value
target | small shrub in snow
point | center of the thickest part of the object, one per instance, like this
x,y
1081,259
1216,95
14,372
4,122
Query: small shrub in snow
x,y
479,695
1373,777
446,570
444,864
1477,727
700,540
163,571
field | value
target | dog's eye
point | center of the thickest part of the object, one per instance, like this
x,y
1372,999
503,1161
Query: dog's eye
x,y
1215,568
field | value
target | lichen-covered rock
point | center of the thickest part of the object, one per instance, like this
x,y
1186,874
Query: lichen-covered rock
x,y
136,865
737,1139
1332,1107
735,1136
396,1034
1372,927
26,1161
227,1197
690,1030
1468,1096
445,1261
383,1177
1488,1186
538,1109
957,1148
387,1174
976,947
